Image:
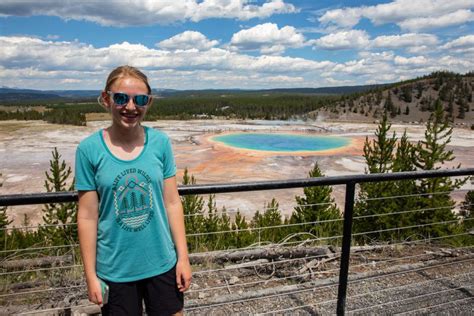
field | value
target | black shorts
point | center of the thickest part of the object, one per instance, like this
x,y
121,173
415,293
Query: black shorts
x,y
160,293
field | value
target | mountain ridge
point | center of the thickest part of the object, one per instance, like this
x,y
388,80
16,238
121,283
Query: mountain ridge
x,y
10,94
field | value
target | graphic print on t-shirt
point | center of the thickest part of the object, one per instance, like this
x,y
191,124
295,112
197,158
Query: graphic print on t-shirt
x,y
133,199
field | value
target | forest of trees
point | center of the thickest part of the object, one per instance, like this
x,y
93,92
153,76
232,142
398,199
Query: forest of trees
x,y
413,100
271,107
401,100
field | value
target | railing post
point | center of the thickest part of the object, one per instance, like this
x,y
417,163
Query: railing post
x,y
346,247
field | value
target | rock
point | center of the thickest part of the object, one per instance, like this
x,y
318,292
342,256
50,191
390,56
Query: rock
x,y
194,286
85,308
202,295
234,280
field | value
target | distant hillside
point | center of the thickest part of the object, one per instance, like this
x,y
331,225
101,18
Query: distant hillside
x,y
21,95
327,90
26,96
12,95
309,91
409,101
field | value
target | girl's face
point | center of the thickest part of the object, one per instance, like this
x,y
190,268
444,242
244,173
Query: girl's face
x,y
129,115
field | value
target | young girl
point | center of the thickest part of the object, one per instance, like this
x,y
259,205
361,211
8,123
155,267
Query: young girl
x,y
130,218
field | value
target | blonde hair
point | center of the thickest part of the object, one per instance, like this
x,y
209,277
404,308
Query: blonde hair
x,y
122,72
126,71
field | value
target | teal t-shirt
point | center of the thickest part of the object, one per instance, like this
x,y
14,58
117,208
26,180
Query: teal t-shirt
x,y
133,235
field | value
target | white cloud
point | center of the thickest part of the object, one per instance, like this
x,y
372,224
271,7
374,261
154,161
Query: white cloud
x,y
37,63
71,80
238,9
434,22
187,40
409,40
343,40
343,18
411,15
75,60
267,38
416,61
145,12
463,44
420,49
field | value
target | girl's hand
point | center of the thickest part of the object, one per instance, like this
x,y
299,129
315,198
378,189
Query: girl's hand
x,y
183,274
95,291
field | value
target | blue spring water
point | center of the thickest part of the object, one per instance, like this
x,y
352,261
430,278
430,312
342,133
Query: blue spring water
x,y
282,142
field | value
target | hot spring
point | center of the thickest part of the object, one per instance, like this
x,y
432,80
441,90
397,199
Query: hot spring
x,y
282,142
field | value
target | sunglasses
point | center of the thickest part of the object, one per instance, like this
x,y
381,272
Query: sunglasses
x,y
122,99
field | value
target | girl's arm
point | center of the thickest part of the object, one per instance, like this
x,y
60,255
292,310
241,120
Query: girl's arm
x,y
87,218
174,210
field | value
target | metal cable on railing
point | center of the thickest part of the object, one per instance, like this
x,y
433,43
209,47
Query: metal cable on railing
x,y
405,286
436,305
38,226
250,229
405,227
389,274
206,213
212,305
412,195
48,310
403,212
42,269
44,290
411,298
39,248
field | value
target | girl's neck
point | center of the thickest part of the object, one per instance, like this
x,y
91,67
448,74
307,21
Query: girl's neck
x,y
126,136
125,144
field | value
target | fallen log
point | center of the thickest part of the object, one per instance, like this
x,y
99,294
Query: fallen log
x,y
36,262
274,252
269,253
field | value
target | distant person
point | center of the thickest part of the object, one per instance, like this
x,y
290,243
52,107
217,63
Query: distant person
x,y
130,218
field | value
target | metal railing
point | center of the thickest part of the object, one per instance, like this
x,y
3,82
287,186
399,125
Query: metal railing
x,y
350,182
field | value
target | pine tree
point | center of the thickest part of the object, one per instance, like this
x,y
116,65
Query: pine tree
x,y
241,236
462,109
374,198
388,105
318,209
431,153
406,94
379,152
59,218
406,190
193,212
378,97
450,110
270,217
419,90
224,226
211,225
4,221
467,211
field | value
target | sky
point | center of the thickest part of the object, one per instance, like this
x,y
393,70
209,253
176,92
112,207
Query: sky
x,y
238,44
